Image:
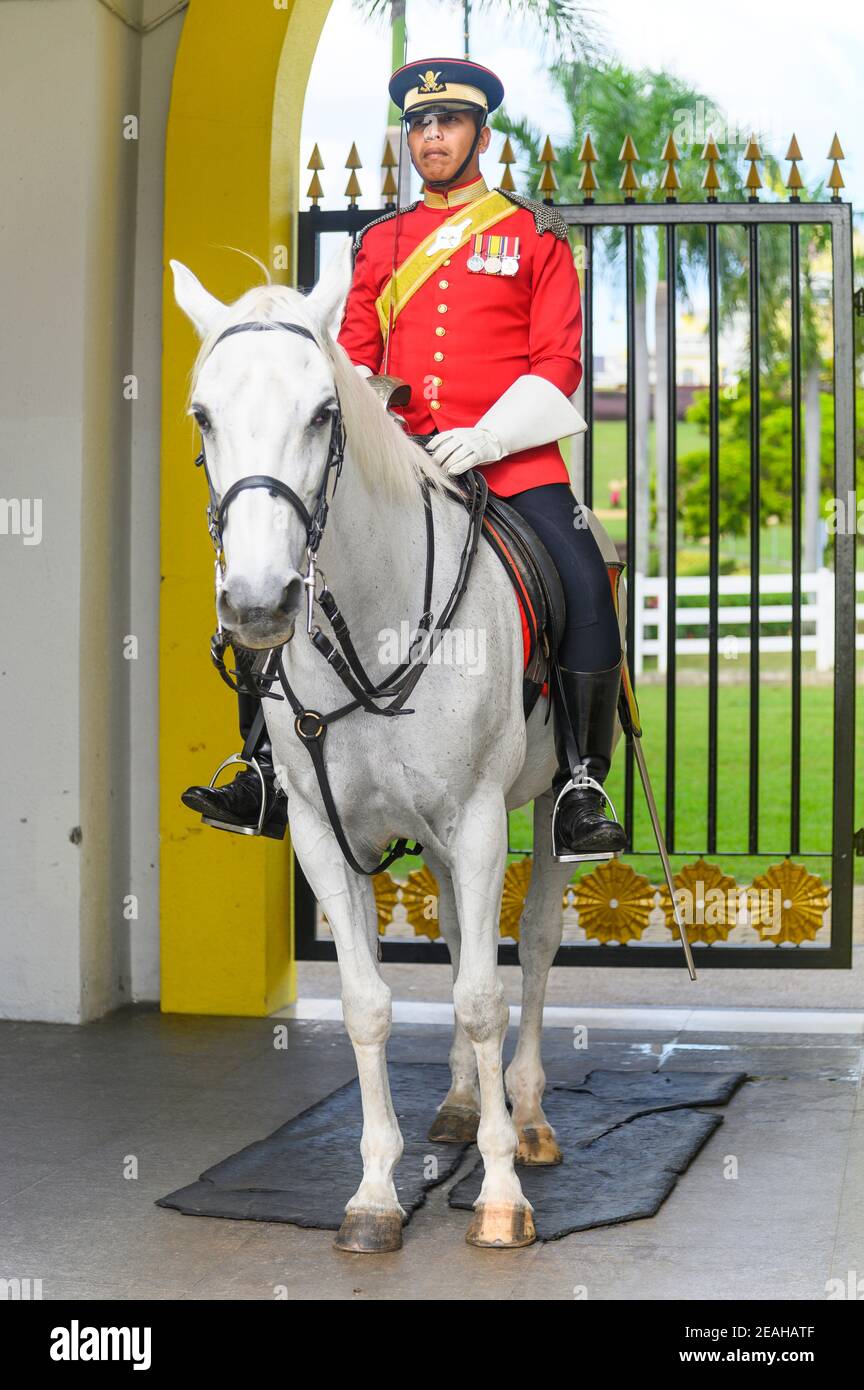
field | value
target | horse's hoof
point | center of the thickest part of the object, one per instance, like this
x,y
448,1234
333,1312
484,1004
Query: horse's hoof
x,y
454,1124
370,1232
501,1225
538,1145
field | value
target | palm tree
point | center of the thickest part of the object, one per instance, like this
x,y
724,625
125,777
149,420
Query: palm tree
x,y
611,100
775,334
567,28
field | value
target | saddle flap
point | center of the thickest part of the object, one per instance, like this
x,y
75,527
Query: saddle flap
x,y
536,568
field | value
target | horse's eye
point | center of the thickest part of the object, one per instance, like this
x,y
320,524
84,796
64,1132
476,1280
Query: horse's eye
x,y
322,418
201,419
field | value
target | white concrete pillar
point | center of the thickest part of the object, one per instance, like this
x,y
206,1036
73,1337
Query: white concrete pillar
x,y
82,205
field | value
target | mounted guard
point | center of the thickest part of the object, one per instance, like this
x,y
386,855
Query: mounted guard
x,y
470,296
464,313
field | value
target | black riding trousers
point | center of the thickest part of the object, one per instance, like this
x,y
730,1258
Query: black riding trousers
x,y
592,640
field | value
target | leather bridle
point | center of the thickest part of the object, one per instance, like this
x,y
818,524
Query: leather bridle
x,y
313,521
309,725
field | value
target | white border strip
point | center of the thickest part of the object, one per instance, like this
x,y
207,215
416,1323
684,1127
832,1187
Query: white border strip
x,y
641,1020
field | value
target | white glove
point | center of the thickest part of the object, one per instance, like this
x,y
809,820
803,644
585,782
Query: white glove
x,y
531,412
460,449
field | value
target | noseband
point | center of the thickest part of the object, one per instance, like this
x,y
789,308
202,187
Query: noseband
x,y
310,726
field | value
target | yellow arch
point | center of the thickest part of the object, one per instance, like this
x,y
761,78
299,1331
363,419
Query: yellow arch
x,y
231,174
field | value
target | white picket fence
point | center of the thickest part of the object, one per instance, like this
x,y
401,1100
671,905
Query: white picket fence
x,y
817,616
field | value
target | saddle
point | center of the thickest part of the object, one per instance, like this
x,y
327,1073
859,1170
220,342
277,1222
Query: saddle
x,y
530,569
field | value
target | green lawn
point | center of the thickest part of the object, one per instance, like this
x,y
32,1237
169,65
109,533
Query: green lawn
x,y
691,799
732,780
692,737
610,461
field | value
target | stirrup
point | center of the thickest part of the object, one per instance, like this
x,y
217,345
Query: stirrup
x,y
226,825
568,856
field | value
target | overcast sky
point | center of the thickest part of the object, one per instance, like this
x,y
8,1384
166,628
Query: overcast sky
x,y
781,65
776,65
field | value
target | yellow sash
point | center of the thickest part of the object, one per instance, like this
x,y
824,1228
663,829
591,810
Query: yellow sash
x,y
416,269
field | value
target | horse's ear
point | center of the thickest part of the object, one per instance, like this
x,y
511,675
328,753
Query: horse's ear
x,y
328,297
199,305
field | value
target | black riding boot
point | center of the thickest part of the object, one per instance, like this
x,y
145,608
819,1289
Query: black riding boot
x,y
238,803
580,826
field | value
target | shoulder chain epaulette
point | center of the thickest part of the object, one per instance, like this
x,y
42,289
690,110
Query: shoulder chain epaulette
x,y
546,217
358,237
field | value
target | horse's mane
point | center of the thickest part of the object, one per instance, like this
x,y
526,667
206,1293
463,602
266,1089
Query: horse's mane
x,y
389,462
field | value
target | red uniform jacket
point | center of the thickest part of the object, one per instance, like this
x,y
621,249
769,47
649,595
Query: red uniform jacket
x,y
464,337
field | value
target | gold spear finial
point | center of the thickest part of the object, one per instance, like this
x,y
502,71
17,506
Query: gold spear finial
x,y
389,162
670,181
628,183
315,191
588,181
388,187
507,157
548,183
753,181
835,178
794,180
352,189
710,181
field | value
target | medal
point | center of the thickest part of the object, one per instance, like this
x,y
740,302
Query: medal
x,y
493,260
510,259
476,261
494,255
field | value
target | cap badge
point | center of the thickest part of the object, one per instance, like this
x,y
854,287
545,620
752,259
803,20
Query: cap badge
x,y
429,82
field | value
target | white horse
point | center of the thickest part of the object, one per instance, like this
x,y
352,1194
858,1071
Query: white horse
x,y
447,774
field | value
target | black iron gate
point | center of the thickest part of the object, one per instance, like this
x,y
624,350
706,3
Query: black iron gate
x,y
671,216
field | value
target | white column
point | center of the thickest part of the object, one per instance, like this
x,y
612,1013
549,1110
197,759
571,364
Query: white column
x,y
71,704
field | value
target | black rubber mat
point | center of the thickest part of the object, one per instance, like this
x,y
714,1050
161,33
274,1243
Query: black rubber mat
x,y
625,1136
305,1171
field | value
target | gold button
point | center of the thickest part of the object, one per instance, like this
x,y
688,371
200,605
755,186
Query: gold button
x,y
443,284
446,262
440,332
434,405
436,381
438,356
442,308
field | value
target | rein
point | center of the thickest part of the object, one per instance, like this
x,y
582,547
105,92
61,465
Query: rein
x,y
309,725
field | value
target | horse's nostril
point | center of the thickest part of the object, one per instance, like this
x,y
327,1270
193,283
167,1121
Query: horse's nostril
x,y
292,596
232,602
